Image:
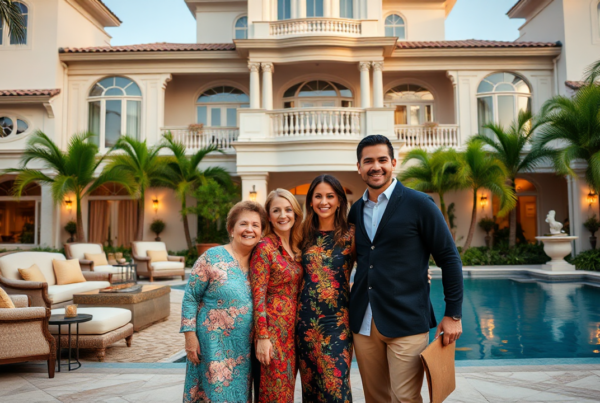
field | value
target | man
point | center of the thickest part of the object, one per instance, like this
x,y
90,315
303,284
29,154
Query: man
x,y
397,229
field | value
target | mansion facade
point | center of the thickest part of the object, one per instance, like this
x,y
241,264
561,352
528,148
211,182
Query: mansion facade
x,y
286,88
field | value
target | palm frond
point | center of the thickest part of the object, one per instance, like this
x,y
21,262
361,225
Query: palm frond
x,y
10,15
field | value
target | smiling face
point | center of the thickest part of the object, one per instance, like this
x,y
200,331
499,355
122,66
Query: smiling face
x,y
281,215
325,201
247,230
376,167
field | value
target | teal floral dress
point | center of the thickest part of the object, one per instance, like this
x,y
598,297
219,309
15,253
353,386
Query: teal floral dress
x,y
217,305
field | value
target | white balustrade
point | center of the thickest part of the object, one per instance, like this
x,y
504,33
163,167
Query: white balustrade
x,y
428,137
315,26
222,137
306,122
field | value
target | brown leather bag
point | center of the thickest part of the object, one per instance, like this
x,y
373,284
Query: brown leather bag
x,y
438,361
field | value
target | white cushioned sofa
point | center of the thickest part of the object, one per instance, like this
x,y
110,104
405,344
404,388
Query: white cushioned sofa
x,y
77,250
175,266
48,294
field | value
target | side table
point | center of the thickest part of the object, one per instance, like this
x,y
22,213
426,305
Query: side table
x,y
60,320
127,272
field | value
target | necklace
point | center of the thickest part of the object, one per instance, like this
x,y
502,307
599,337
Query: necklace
x,y
235,256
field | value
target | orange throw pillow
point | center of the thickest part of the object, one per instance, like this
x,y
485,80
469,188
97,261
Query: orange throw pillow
x,y
99,259
33,274
67,271
5,301
158,256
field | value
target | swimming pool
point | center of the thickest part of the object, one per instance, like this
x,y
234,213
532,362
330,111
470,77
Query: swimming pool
x,y
508,319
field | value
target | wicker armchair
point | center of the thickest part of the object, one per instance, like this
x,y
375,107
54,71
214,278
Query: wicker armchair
x,y
24,334
77,250
174,267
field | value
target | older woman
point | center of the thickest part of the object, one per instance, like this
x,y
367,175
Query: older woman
x,y
276,275
217,313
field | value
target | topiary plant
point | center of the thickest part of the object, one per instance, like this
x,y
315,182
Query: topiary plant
x,y
157,227
592,224
487,224
71,228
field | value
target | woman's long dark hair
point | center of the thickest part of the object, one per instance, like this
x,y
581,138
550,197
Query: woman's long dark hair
x,y
311,220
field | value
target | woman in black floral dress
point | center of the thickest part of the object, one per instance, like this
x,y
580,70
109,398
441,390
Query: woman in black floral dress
x,y
324,339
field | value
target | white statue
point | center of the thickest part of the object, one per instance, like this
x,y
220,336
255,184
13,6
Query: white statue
x,y
555,226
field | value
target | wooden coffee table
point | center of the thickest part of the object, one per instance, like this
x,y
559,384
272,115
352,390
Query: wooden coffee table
x,y
149,305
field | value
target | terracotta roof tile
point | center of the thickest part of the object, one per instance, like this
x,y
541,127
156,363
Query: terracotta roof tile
x,y
29,93
574,85
473,43
153,47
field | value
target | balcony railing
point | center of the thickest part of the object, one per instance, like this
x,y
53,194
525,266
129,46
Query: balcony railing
x,y
428,137
222,137
309,122
318,26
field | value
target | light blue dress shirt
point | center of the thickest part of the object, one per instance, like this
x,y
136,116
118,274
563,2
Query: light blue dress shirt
x,y
372,214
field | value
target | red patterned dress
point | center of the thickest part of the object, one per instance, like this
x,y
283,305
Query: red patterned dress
x,y
275,278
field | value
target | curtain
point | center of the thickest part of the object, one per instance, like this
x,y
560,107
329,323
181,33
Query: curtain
x,y
99,221
127,222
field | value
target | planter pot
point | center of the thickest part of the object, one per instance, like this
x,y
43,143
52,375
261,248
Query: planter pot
x,y
593,242
203,247
157,239
557,247
488,241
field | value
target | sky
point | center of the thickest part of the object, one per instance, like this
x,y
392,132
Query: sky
x,y
146,21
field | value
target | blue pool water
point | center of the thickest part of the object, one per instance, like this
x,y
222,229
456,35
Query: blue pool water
x,y
507,319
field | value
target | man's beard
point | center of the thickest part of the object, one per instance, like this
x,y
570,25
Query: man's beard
x,y
385,177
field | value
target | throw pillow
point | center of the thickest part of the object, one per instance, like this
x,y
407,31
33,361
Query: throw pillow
x,y
99,259
33,274
67,271
158,256
5,301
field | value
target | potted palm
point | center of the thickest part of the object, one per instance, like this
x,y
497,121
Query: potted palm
x,y
592,224
487,224
157,227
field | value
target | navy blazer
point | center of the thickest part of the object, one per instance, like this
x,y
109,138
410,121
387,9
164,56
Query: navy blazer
x,y
392,270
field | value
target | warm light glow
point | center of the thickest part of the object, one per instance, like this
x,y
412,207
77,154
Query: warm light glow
x,y
483,201
155,204
591,197
68,204
253,194
487,328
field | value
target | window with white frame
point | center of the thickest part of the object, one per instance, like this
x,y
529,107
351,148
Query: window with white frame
x,y
314,8
318,93
114,110
347,8
395,26
500,98
284,9
12,126
241,28
413,104
217,107
7,37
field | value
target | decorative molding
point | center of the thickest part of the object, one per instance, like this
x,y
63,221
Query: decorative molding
x,y
453,77
253,67
267,67
364,66
49,109
377,66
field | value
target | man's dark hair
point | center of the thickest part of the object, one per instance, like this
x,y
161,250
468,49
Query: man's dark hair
x,y
374,140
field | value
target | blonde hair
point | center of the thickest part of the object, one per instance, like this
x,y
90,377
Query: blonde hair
x,y
296,232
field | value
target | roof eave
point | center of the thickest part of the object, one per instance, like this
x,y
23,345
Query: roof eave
x,y
148,55
480,52
101,12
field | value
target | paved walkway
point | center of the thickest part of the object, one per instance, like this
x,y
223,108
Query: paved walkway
x,y
147,383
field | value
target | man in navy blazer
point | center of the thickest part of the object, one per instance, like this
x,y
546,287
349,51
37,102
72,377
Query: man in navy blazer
x,y
397,229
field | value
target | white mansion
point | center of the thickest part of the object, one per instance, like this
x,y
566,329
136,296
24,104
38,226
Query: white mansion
x,y
287,88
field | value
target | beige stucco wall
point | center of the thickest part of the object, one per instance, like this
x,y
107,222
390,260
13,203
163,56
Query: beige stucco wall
x,y
77,29
422,23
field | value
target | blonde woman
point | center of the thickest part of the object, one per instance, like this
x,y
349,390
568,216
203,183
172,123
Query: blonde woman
x,y
276,273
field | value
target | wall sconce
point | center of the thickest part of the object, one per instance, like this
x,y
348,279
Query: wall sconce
x,y
155,204
68,204
591,197
483,200
253,194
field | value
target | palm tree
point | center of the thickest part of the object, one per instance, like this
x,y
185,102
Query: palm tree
x,y
574,123
481,170
143,168
71,171
185,176
511,147
433,173
11,16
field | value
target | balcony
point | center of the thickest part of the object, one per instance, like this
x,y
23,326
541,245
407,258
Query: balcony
x,y
316,122
428,138
195,140
321,26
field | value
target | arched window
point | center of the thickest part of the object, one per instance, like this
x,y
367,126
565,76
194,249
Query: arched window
x,y
114,110
312,94
347,8
500,98
241,28
413,104
395,26
25,13
217,107
314,8
11,125
284,9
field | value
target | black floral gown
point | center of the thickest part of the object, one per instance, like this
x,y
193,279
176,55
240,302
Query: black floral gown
x,y
323,336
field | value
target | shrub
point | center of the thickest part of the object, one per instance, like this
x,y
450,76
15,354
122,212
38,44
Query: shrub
x,y
487,224
157,226
191,256
592,224
588,260
503,255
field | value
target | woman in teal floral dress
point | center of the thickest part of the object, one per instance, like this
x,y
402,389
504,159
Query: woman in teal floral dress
x,y
217,316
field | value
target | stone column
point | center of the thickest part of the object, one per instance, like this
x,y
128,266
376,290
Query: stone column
x,y
326,8
266,10
255,182
365,84
267,90
254,85
301,9
378,84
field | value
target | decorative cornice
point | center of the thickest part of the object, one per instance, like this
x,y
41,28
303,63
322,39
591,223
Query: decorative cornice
x,y
377,66
254,67
364,66
267,67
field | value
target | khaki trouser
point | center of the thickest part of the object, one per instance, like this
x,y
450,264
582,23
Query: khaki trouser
x,y
391,369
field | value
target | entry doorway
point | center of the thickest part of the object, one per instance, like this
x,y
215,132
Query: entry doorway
x,y
527,211
112,216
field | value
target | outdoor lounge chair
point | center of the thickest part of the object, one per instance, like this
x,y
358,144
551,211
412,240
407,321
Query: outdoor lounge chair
x,y
24,334
175,266
77,250
47,294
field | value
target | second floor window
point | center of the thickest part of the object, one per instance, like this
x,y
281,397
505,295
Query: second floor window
x,y
395,26
314,8
114,110
347,8
217,107
413,104
10,38
241,28
284,9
